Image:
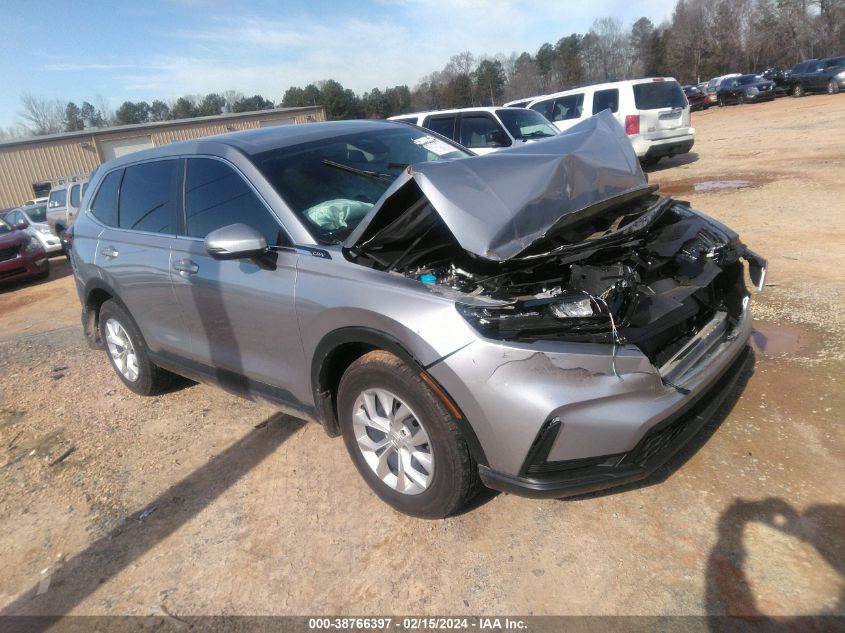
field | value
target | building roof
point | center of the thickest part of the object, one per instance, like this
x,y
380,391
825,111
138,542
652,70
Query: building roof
x,y
44,138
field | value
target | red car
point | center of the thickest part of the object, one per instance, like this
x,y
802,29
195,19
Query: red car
x,y
698,100
21,255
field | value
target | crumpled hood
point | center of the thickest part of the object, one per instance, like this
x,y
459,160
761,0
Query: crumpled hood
x,y
500,204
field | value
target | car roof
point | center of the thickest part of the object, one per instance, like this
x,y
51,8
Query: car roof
x,y
256,141
454,111
603,86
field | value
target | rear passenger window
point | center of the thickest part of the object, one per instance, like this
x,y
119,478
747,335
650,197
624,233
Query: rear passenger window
x,y
217,196
148,197
74,196
606,100
444,126
544,108
104,207
569,107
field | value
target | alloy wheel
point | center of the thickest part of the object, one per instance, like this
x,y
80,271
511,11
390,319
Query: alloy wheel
x,y
393,441
121,350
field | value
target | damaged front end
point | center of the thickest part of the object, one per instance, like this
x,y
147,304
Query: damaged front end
x,y
561,240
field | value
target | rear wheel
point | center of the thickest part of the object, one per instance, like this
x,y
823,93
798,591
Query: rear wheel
x,y
721,101
740,99
832,87
403,440
128,352
798,90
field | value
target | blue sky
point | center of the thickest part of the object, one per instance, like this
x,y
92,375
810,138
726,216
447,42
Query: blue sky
x,y
146,50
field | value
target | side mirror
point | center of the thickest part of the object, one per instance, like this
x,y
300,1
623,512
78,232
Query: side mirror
x,y
235,241
496,138
23,224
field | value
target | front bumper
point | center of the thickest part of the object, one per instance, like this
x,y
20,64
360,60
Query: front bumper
x,y
512,393
22,267
563,479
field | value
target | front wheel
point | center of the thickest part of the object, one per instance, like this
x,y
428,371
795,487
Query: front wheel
x,y
798,90
832,87
128,352
402,438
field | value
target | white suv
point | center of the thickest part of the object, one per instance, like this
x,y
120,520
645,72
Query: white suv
x,y
484,130
63,203
654,112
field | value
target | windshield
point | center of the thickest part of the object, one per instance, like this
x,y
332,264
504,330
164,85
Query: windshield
x,y
659,94
526,124
331,184
691,90
58,198
37,213
4,227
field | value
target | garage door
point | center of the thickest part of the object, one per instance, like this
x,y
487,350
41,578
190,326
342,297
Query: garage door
x,y
123,146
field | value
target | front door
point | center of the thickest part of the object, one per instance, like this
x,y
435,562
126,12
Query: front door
x,y
239,314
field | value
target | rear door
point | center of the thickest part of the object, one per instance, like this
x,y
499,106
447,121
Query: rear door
x,y
568,110
239,314
137,207
443,124
662,107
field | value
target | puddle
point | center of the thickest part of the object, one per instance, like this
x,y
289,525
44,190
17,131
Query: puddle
x,y
696,185
714,185
771,339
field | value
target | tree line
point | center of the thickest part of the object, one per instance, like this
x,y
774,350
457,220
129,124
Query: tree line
x,y
703,38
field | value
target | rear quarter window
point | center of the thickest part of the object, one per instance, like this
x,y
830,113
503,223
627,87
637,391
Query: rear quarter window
x,y
445,126
104,207
659,94
545,108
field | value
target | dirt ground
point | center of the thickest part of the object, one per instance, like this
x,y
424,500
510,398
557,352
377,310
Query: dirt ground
x,y
196,502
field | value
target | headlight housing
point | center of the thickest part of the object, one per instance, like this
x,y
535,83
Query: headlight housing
x,y
572,316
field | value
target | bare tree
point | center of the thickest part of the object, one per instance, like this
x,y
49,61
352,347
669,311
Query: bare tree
x,y
42,116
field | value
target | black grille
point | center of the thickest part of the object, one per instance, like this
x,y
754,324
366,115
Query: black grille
x,y
657,442
8,253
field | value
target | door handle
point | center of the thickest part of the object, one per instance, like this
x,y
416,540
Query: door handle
x,y
110,252
186,267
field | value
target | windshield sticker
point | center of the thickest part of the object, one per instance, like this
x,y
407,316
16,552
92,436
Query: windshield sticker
x,y
434,145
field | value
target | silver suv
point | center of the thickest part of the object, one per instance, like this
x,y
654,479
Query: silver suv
x,y
539,320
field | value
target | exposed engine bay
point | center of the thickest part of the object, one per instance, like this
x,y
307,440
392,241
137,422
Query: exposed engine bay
x,y
645,270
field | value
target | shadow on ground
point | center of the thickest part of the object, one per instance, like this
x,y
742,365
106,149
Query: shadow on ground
x,y
105,558
729,591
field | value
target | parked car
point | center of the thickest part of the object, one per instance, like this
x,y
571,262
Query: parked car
x,y
818,75
35,201
654,112
697,99
21,255
63,204
745,89
780,77
538,320
713,86
35,217
484,130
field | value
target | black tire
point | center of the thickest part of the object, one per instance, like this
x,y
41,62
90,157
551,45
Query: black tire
x,y
740,100
832,87
151,379
721,101
797,90
455,479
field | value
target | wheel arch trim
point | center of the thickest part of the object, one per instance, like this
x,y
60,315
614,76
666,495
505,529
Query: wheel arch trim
x,y
368,338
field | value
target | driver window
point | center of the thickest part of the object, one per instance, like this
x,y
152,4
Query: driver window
x,y
481,131
216,196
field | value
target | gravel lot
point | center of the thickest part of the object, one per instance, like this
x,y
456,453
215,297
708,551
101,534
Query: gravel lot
x,y
196,502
